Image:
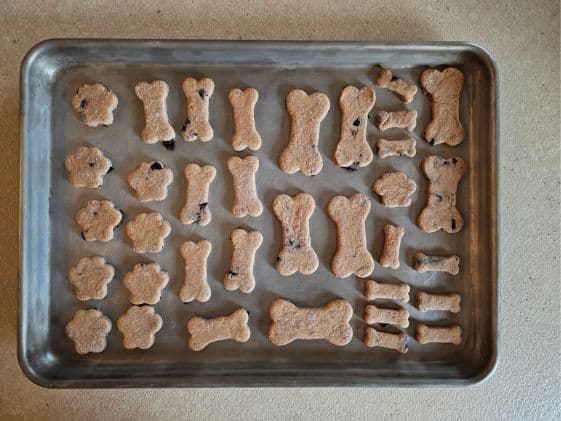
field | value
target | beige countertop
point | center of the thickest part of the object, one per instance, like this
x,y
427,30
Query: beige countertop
x,y
522,36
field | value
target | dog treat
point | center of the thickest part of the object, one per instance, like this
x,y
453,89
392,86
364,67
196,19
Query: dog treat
x,y
330,322
95,103
240,275
438,302
405,147
197,95
353,149
150,181
396,292
398,86
148,232
243,106
392,240
139,326
86,167
400,119
440,211
424,263
397,341
395,189
145,283
373,314
195,286
352,256
444,89
153,96
196,209
98,219
88,330
451,334
306,113
90,278
206,331
245,192
294,215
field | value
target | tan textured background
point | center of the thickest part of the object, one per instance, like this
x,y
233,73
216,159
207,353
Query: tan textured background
x,y
523,36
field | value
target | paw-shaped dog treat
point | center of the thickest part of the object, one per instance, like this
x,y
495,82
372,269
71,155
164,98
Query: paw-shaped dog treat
x,y
444,88
145,283
90,278
243,105
397,341
206,331
353,150
451,334
196,209
398,86
330,322
88,330
392,240
449,264
86,167
139,326
297,254
245,246
373,314
148,232
395,292
150,181
95,103
197,94
243,172
352,256
397,119
306,113
438,302
98,219
395,189
153,96
405,147
195,285
440,212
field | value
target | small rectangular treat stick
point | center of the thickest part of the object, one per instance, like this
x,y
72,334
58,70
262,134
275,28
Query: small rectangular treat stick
x,y
397,341
396,292
392,240
373,314
438,302
451,334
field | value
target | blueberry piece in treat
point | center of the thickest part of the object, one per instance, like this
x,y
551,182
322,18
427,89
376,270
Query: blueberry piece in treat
x,y
83,236
394,78
169,144
453,224
431,142
202,93
356,122
232,273
83,104
156,166
109,170
184,127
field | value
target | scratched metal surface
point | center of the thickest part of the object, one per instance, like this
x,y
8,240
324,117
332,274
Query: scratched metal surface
x,y
51,241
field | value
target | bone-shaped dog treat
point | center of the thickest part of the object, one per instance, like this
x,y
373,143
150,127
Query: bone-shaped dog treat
x,y
296,253
451,334
245,192
352,256
424,263
405,147
400,119
353,149
330,322
195,286
396,292
373,314
397,341
243,105
306,113
153,96
206,331
197,94
196,209
444,88
440,211
240,275
438,302
392,240
398,86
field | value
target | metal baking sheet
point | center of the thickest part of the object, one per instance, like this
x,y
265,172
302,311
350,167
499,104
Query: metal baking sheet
x,y
51,242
